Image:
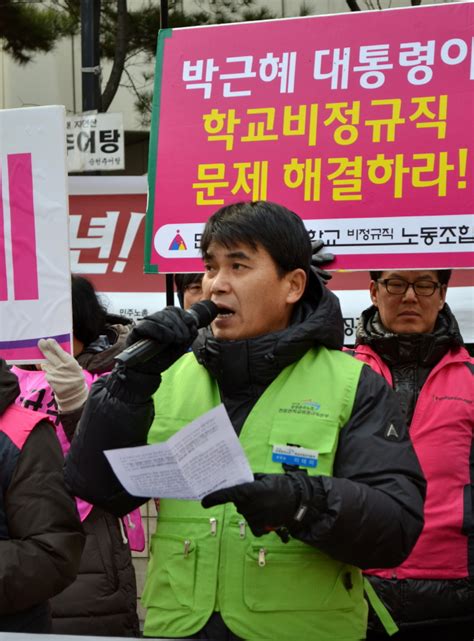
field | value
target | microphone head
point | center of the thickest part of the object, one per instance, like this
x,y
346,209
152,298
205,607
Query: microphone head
x,y
204,312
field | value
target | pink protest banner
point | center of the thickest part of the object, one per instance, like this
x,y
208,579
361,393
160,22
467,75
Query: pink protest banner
x,y
359,122
35,287
3,263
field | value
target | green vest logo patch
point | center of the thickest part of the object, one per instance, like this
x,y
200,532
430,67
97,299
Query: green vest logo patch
x,y
308,407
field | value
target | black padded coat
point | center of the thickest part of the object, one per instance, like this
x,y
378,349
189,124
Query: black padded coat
x,y
42,538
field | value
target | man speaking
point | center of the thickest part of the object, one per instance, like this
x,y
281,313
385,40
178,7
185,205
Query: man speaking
x,y
337,486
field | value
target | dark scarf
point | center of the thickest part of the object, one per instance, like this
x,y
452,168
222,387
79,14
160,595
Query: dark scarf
x,y
410,357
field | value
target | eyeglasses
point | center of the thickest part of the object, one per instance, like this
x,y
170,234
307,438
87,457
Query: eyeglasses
x,y
400,286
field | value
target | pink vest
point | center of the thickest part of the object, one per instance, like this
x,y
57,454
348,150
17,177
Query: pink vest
x,y
17,423
37,395
441,431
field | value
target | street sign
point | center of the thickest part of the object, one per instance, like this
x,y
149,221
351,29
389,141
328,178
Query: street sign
x,y
95,142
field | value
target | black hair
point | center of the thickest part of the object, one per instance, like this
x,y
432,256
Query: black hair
x,y
278,230
182,281
443,275
88,313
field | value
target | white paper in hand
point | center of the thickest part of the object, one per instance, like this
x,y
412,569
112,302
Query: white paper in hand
x,y
204,456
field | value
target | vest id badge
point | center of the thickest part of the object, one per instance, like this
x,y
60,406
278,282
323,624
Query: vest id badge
x,y
294,455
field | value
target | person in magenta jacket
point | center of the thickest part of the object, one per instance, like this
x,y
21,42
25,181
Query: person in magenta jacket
x,y
410,336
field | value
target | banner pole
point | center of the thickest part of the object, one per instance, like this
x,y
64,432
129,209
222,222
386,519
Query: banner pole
x,y
169,277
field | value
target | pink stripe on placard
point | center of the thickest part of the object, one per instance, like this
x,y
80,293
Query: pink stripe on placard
x,y
22,216
3,263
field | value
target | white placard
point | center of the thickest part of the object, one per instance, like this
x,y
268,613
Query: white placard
x,y
35,283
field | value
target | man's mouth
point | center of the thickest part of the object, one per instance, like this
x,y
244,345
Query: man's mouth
x,y
224,312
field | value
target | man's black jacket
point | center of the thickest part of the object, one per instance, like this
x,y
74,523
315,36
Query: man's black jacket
x,y
374,500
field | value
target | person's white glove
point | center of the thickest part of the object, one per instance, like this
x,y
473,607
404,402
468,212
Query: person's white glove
x,y
64,375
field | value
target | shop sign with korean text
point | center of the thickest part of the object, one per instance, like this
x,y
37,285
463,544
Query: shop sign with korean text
x,y
35,280
95,142
360,122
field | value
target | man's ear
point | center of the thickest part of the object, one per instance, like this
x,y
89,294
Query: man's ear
x,y
296,285
373,292
442,292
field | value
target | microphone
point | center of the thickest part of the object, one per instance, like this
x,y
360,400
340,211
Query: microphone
x,y
202,313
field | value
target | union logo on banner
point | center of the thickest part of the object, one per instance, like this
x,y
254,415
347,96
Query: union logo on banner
x,y
178,243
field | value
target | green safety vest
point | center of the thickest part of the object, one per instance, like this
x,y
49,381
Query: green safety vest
x,y
207,560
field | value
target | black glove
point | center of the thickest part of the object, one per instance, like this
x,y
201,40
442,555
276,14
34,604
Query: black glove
x,y
270,502
173,328
319,258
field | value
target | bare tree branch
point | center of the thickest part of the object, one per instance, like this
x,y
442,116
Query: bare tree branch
x,y
143,103
119,58
132,85
353,6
